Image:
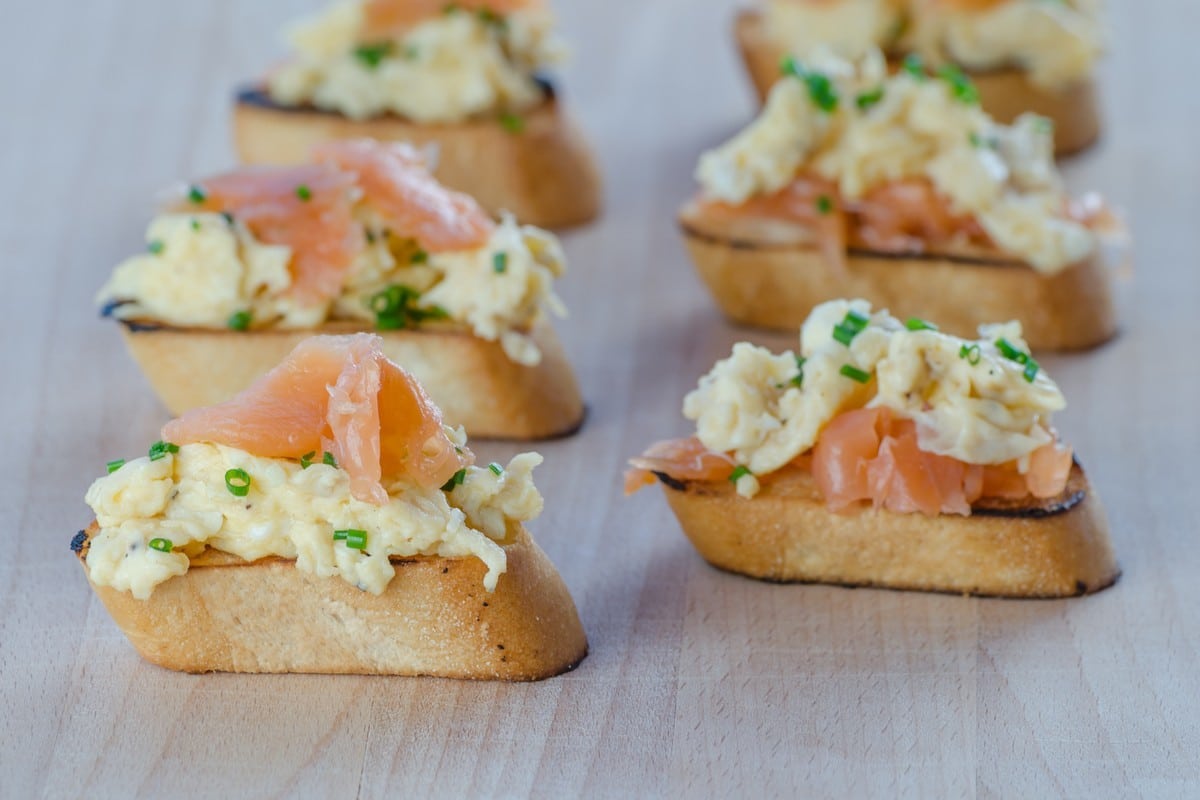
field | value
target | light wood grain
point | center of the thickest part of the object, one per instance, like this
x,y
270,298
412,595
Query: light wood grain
x,y
699,683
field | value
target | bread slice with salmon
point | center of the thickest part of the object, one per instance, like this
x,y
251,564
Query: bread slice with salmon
x,y
242,266
901,190
886,454
1006,90
464,80
326,520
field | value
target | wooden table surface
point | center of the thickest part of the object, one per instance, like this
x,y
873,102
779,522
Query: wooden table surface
x,y
698,682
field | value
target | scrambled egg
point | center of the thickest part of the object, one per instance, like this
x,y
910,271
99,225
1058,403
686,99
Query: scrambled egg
x,y
1057,43
917,127
202,269
292,512
446,69
969,399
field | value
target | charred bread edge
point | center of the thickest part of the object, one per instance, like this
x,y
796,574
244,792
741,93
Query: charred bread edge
x,y
1074,500
545,173
545,609
1006,92
490,395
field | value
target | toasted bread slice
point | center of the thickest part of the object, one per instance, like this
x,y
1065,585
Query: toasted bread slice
x,y
1053,548
544,173
471,379
435,618
1004,93
775,283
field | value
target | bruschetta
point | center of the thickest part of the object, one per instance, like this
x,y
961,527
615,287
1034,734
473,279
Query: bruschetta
x,y
1023,55
240,267
326,520
463,77
902,190
889,454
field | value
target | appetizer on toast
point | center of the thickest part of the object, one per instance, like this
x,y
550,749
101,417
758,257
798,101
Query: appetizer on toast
x,y
901,190
464,77
885,454
1024,55
243,266
325,520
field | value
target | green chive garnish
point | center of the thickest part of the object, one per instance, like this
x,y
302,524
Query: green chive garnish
x,y
496,468
396,307
500,262
195,224
961,86
113,466
354,538
303,192
513,123
855,374
867,99
738,473
917,324
824,204
799,379
821,90
162,545
160,449
307,459
971,353
419,257
237,481
372,55
240,320
852,325
489,17
155,246
1031,370
914,65
1010,352
329,460
197,194
455,480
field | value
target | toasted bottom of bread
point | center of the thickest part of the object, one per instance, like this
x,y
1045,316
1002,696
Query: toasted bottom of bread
x,y
435,618
776,285
1003,93
472,380
544,174
1056,548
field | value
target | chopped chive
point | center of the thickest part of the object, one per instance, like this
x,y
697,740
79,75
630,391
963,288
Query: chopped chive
x,y
340,536
500,262
917,324
160,449
1010,352
369,235
855,374
197,194
513,123
155,246
821,90
914,65
489,17
372,55
798,380
114,465
1031,370
237,481
303,192
971,353
419,257
738,473
961,85
240,320
455,480
195,224
161,545
306,460
496,468
353,537
329,460
851,325
824,204
867,99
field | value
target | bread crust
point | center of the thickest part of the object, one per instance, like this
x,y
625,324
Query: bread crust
x,y
471,379
434,618
545,174
1059,548
1004,93
776,285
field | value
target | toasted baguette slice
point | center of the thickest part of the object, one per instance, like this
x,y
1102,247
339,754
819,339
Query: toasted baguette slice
x,y
544,174
1004,93
472,380
435,618
775,284
1055,548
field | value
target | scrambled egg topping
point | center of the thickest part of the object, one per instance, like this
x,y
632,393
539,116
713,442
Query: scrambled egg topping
x,y
154,515
1056,43
981,402
203,269
867,129
446,69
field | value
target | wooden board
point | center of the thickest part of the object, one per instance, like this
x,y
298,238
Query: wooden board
x,y
699,683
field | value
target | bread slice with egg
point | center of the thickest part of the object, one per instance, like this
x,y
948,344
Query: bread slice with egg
x,y
472,380
1004,93
1036,549
434,618
538,166
773,276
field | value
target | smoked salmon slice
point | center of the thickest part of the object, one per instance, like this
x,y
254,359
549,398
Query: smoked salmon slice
x,y
341,395
385,18
396,181
683,459
307,208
